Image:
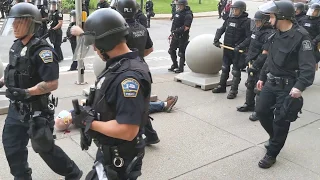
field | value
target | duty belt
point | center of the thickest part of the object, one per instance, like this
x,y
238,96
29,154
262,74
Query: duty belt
x,y
282,81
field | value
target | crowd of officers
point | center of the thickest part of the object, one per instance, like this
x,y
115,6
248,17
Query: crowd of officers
x,y
281,52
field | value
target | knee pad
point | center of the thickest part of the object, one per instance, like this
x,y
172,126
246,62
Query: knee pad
x,y
249,84
181,54
236,73
171,51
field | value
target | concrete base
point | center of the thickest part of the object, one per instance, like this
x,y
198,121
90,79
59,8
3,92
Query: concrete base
x,y
198,80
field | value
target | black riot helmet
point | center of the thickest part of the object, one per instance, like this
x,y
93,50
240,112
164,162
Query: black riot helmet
x,y
238,5
73,16
263,18
23,19
283,10
182,2
105,28
299,7
314,10
127,8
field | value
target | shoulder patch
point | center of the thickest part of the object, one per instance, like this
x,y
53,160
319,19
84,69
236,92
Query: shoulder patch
x,y
306,45
46,56
130,87
60,14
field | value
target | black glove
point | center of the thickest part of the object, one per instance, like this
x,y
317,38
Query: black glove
x,y
16,94
236,49
217,43
65,39
84,119
251,71
85,140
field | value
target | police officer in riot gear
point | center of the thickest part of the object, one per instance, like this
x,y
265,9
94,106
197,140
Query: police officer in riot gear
x,y
300,11
43,8
119,110
179,37
256,56
102,4
138,38
31,75
149,10
311,22
55,31
287,72
140,17
72,39
237,35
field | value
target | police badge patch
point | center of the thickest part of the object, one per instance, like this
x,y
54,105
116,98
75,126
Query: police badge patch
x,y
46,56
306,45
130,87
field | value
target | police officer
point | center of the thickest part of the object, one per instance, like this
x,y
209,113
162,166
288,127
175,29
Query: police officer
x,y
173,8
55,31
72,39
43,8
138,38
179,37
31,75
237,35
289,70
149,10
102,4
311,22
299,10
121,99
256,56
140,17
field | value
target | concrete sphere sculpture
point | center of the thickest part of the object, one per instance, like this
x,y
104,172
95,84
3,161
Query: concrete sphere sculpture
x,y
1,69
98,66
202,56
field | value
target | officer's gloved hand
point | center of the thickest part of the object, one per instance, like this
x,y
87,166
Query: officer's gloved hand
x,y
65,39
295,93
217,43
251,70
84,119
85,140
16,94
236,49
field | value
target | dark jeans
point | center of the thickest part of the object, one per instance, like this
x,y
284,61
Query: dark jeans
x,y
156,107
15,140
268,111
56,39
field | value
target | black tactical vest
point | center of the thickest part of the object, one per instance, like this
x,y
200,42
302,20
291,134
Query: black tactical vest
x,y
179,19
21,71
235,31
107,111
258,38
137,37
311,25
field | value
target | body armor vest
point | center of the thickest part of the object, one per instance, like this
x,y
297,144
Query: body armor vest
x,y
179,19
54,17
137,37
311,25
235,31
104,82
21,71
258,39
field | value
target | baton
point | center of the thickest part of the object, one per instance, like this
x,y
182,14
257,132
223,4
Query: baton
x,y
230,48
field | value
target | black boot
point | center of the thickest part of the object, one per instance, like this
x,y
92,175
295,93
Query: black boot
x,y
222,84
181,66
245,108
234,87
253,117
267,162
172,68
250,103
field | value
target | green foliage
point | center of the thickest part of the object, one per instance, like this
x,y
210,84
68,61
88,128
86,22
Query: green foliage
x,y
67,6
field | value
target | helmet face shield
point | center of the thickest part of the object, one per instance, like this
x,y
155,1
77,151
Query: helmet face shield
x,y
268,8
313,12
84,46
19,27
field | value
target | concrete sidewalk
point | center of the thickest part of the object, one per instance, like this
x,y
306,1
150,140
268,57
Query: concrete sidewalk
x,y
203,138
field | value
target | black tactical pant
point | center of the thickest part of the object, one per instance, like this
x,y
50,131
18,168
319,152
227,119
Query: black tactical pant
x,y
181,43
15,140
55,37
268,107
74,64
229,57
2,11
149,15
251,84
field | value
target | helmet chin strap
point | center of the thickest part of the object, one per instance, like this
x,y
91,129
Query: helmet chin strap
x,y
104,54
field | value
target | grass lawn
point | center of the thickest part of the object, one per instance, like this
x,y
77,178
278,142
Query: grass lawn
x,y
163,6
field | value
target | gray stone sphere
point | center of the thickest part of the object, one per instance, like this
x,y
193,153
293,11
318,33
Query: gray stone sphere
x,y
202,56
98,66
1,69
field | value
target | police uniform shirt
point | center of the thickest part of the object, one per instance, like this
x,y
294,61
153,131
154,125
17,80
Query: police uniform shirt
x,y
149,43
128,95
57,17
284,59
44,59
